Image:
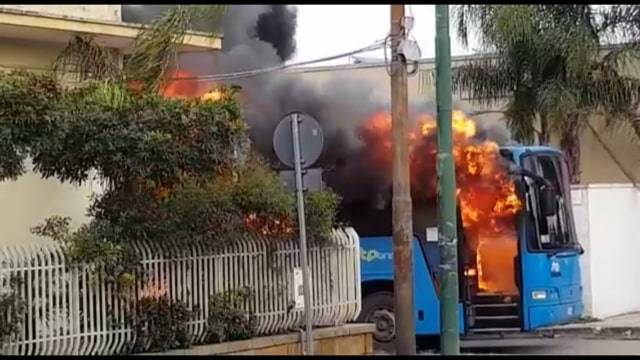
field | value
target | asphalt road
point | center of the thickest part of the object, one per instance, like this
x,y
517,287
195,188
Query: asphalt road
x,y
557,346
573,346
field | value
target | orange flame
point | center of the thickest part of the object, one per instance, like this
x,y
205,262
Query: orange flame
x,y
154,289
213,95
180,86
268,227
486,194
180,89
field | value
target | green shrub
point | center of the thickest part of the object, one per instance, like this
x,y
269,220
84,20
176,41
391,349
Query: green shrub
x,y
26,105
321,209
227,320
160,324
12,308
135,139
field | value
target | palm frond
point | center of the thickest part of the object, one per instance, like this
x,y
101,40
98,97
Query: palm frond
x,y
155,48
521,117
473,19
557,103
465,16
619,23
485,81
609,90
578,48
623,56
616,98
512,26
86,60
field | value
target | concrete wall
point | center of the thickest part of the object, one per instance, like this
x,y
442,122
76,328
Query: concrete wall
x,y
608,221
30,199
97,12
34,56
349,339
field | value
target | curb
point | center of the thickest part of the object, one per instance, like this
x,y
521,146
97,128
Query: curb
x,y
595,332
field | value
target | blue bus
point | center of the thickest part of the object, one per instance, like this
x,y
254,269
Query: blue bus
x,y
547,269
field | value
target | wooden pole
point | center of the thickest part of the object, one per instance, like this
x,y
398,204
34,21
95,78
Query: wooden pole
x,y
402,212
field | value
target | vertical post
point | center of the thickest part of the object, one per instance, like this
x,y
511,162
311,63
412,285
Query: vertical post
x,y
402,213
75,306
306,278
448,237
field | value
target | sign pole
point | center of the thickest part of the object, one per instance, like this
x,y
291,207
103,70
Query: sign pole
x,y
295,131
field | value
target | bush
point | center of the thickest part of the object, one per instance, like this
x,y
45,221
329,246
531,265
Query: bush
x,y
133,140
160,324
227,320
26,105
93,243
12,308
321,209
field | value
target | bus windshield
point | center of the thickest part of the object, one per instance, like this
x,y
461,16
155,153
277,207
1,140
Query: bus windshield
x,y
555,232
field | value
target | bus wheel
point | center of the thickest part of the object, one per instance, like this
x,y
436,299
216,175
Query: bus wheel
x,y
377,308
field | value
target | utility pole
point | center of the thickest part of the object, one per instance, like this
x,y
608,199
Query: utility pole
x,y
402,213
448,237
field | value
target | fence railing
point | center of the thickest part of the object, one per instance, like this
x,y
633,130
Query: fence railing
x,y
70,310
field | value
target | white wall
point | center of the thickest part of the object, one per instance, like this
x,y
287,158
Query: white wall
x,y
27,201
607,219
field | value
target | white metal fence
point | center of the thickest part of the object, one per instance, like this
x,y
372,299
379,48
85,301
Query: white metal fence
x,y
69,311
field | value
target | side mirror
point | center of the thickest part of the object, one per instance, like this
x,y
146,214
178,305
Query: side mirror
x,y
548,203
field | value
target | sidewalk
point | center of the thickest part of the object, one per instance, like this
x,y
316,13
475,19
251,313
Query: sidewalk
x,y
625,326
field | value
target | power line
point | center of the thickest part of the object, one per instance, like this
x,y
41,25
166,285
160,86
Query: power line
x,y
248,73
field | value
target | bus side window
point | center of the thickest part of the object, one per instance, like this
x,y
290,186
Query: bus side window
x,y
539,236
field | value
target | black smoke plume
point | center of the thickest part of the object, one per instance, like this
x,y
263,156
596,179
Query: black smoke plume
x,y
259,36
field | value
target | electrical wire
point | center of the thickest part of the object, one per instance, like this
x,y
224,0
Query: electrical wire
x,y
386,58
249,73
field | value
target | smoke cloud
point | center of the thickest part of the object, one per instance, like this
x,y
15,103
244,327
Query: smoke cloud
x,y
258,36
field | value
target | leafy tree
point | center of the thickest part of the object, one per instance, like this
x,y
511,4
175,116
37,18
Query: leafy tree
x,y
548,61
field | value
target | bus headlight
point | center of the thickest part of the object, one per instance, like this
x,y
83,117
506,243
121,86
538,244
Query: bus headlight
x,y
539,295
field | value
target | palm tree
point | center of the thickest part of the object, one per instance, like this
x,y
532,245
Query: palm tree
x,y
154,50
547,61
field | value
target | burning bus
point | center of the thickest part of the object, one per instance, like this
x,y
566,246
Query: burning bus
x,y
518,253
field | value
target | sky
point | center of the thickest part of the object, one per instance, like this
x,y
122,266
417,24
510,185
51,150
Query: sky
x,y
325,30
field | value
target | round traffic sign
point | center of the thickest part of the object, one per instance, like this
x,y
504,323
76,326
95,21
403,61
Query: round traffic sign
x,y
311,139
